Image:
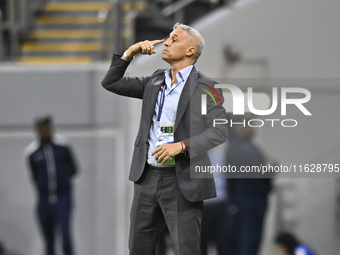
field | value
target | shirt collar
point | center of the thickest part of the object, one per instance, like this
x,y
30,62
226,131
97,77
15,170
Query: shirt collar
x,y
181,76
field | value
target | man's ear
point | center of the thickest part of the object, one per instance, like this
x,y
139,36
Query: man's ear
x,y
191,51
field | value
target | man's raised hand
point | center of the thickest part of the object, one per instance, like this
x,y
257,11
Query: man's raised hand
x,y
145,47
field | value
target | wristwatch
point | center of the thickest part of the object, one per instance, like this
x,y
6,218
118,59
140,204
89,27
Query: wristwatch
x,y
127,57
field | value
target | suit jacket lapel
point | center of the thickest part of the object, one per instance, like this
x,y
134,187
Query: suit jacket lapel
x,y
156,84
187,92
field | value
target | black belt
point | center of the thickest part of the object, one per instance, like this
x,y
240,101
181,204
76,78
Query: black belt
x,y
165,170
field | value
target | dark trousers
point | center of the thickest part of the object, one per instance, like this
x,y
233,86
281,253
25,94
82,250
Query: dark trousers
x,y
157,201
162,246
55,215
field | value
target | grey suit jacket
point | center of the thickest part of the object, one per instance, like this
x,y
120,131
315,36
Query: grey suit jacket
x,y
194,129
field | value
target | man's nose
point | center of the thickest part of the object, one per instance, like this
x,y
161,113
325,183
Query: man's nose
x,y
166,42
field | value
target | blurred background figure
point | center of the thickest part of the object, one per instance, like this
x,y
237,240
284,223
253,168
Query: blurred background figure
x,y
214,220
247,197
288,244
52,167
214,225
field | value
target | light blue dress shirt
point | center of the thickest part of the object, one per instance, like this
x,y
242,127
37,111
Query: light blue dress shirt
x,y
172,95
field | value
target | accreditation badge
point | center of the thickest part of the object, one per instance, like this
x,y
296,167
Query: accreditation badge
x,y
166,135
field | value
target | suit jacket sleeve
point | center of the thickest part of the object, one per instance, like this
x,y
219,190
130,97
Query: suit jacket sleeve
x,y
214,133
124,86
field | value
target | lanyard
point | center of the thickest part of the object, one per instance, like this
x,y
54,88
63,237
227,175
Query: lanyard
x,y
161,103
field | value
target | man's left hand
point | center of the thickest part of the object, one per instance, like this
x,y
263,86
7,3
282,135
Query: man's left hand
x,y
166,151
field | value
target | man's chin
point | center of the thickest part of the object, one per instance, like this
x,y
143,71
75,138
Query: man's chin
x,y
165,58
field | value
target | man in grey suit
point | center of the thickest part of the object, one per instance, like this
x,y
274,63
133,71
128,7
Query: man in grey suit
x,y
173,138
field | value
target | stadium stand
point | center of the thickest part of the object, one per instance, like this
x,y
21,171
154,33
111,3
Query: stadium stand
x,y
81,31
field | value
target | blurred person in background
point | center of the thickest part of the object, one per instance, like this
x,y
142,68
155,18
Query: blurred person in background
x,y
173,135
287,244
214,225
52,167
214,220
247,197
